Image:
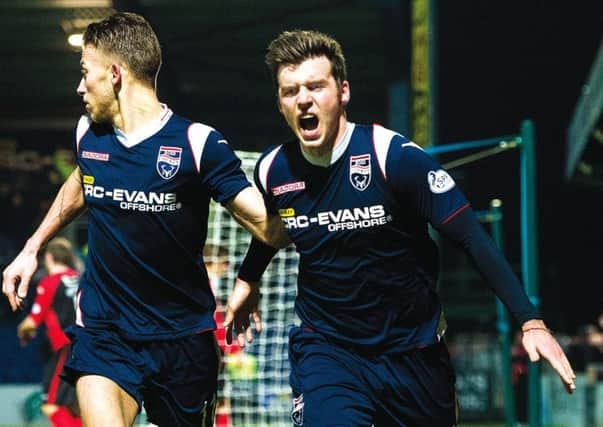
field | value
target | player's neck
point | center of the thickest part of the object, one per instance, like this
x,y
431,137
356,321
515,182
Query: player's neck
x,y
138,107
57,268
327,156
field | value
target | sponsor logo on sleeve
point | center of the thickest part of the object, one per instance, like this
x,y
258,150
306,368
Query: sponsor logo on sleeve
x,y
93,155
168,161
439,181
360,171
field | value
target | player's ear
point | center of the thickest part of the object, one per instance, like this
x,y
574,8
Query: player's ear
x,y
116,73
345,93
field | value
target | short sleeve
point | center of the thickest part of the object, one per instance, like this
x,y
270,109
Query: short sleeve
x,y
220,169
261,177
82,127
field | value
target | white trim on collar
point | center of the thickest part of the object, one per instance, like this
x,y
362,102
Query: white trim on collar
x,y
130,140
331,157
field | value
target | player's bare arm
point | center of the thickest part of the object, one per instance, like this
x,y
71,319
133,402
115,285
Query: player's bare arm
x,y
67,205
248,209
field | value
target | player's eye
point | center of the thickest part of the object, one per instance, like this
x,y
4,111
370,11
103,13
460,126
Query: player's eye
x,y
288,91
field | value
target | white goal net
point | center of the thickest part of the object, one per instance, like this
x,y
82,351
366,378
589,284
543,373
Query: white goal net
x,y
256,382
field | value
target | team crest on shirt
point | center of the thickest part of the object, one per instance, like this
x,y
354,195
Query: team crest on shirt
x,y
360,171
297,412
168,161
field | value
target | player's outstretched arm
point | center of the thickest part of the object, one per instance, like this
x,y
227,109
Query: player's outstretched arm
x,y
243,303
68,203
538,341
248,209
465,230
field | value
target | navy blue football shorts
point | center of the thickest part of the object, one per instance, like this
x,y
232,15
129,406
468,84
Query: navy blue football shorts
x,y
176,380
338,387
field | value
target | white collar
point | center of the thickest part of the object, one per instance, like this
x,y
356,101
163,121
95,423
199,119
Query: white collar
x,y
331,157
130,140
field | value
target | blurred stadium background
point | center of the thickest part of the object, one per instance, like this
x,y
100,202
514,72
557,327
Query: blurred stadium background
x,y
440,72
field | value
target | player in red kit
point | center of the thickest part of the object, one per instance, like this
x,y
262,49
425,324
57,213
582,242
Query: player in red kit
x,y
54,307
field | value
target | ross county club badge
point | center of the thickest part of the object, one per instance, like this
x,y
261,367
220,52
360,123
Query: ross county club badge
x,y
297,412
360,171
168,161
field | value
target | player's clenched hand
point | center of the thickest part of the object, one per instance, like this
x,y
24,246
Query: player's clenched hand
x,y
242,303
538,341
26,330
16,278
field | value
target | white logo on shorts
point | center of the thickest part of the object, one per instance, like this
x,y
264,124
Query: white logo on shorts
x,y
439,181
297,413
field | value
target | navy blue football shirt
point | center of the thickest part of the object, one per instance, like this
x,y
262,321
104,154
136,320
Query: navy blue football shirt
x,y
148,197
368,267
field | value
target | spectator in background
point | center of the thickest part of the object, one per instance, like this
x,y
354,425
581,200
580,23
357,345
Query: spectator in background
x,y
597,341
54,307
594,337
586,348
216,263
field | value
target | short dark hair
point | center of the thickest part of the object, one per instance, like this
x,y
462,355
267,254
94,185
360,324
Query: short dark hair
x,y
294,47
61,251
212,252
130,38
